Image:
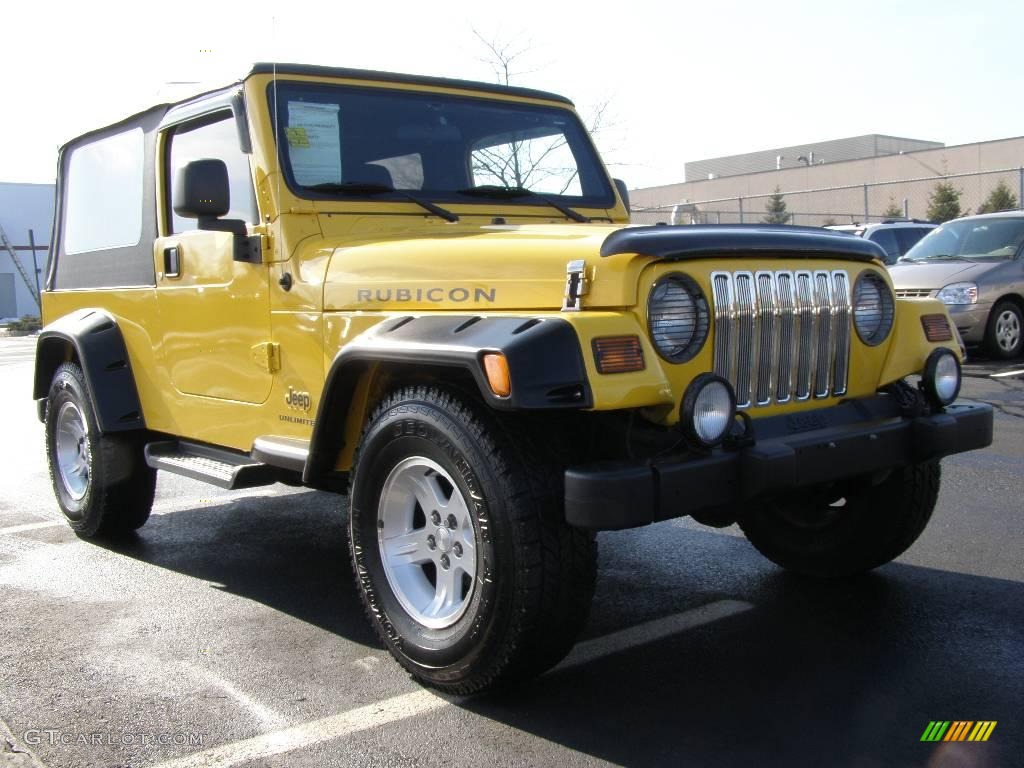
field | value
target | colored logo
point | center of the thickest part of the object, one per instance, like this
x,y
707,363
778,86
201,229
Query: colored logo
x,y
958,730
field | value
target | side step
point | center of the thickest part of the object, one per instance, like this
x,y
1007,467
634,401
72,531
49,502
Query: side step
x,y
217,466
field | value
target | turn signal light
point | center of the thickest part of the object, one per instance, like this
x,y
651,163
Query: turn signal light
x,y
498,377
618,354
936,328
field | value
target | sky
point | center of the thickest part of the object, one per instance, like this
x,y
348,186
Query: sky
x,y
682,81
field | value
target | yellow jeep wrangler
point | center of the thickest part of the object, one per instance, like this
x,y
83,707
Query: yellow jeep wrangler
x,y
423,292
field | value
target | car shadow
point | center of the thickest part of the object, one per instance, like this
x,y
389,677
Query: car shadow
x,y
816,673
288,551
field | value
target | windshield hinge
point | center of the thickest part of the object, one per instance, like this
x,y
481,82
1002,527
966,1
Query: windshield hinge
x,y
576,285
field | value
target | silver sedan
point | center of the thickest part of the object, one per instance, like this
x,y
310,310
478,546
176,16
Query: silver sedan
x,y
975,266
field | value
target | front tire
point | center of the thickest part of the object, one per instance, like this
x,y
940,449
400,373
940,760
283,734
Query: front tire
x,y
101,482
1004,336
463,560
834,533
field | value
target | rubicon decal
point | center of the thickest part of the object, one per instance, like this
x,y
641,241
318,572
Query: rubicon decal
x,y
430,295
958,730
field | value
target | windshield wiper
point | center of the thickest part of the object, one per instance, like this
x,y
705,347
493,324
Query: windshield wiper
x,y
496,191
943,257
370,188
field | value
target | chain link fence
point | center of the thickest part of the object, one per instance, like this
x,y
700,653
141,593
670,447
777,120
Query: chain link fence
x,y
851,204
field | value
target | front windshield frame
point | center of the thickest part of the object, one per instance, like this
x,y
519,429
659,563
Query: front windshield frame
x,y
932,247
595,185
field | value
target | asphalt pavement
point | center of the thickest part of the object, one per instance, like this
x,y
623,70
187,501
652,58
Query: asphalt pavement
x,y
229,632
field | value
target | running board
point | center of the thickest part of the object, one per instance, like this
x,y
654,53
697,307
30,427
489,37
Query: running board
x,y
216,466
284,452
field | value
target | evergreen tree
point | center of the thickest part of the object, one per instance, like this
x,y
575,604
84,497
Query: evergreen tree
x,y
893,211
999,199
776,209
944,203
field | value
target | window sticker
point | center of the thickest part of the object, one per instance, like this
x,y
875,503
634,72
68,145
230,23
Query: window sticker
x,y
314,142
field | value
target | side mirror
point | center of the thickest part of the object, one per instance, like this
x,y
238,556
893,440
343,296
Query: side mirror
x,y
623,191
201,191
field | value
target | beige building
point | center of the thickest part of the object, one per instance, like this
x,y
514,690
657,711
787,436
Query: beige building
x,y
840,192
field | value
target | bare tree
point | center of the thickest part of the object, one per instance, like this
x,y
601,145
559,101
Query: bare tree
x,y
543,163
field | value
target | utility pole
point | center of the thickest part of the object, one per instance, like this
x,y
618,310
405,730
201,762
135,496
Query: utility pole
x,y
35,264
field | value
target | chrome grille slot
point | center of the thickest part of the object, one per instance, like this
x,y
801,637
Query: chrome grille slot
x,y
823,361
782,335
787,326
767,312
807,312
841,323
746,339
725,318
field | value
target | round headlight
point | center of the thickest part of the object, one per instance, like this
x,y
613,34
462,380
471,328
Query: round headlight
x,y
941,378
677,315
873,308
709,407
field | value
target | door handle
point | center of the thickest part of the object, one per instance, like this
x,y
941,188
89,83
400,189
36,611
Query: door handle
x,y
172,261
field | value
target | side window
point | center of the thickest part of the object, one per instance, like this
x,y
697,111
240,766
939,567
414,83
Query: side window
x,y
886,239
104,194
908,237
218,140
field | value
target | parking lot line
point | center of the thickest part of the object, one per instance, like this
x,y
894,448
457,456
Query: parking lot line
x,y
31,526
423,701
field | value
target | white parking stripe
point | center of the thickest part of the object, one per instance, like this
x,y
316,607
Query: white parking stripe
x,y
423,701
1007,373
31,526
315,732
651,631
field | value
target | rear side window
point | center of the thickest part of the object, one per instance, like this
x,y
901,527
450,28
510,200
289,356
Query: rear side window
x,y
908,237
215,138
104,194
887,239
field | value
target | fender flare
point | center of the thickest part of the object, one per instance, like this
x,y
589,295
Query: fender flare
x,y
96,341
544,356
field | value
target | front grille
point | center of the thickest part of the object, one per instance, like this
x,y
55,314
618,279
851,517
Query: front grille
x,y
913,293
781,336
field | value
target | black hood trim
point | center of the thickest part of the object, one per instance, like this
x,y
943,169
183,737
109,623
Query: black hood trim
x,y
702,240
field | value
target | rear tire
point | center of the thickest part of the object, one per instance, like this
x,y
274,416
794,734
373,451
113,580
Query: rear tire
x,y
1004,336
101,481
435,471
833,534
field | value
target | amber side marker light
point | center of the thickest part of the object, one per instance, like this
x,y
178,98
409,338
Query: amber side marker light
x,y
936,328
496,368
618,354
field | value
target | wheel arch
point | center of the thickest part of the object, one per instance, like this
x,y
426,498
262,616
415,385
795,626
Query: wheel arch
x,y
92,338
545,364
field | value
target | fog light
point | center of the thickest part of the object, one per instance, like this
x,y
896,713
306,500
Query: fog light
x,y
708,410
941,378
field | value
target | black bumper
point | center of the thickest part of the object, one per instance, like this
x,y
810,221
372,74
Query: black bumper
x,y
791,451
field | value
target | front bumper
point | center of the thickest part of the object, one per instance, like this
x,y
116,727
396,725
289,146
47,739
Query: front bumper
x,y
971,320
858,437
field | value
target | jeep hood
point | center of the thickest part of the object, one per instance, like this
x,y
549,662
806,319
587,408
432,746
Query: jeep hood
x,y
477,268
937,274
509,267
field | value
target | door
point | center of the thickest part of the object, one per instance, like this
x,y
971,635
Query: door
x,y
214,311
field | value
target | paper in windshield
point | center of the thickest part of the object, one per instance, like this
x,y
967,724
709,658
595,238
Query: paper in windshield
x,y
314,142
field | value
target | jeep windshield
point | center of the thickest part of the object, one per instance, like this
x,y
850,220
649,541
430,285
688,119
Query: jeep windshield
x,y
344,142
970,240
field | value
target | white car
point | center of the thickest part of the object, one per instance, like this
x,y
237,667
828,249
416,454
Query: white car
x,y
895,236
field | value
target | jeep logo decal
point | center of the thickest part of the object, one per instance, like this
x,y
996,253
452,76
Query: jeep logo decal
x,y
435,295
300,401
